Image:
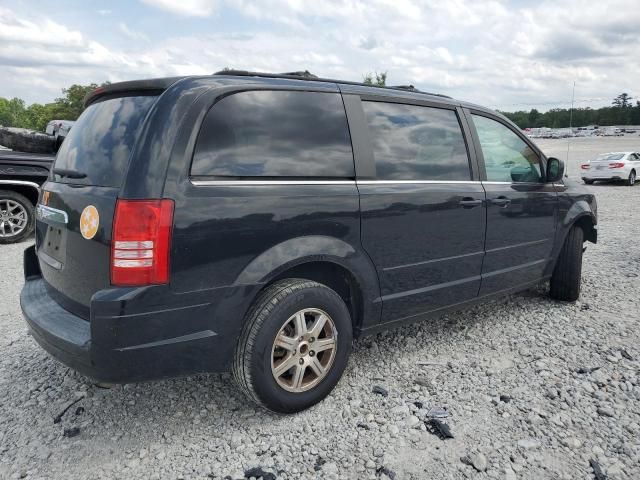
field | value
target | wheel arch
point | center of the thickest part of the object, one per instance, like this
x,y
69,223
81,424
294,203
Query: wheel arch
x,y
581,215
326,260
30,190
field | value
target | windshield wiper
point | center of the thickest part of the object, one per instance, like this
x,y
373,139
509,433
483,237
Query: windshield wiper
x,y
69,173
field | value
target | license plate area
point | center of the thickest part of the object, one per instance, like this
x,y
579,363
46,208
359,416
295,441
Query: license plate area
x,y
53,247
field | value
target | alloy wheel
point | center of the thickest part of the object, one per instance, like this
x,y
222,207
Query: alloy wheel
x,y
13,218
303,350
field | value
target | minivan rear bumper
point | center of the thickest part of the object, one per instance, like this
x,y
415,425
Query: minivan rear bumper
x,y
63,335
120,347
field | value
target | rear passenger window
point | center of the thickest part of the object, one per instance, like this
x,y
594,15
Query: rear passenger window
x,y
416,143
275,134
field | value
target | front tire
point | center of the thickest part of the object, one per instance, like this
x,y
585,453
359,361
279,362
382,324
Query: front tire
x,y
294,346
567,274
17,217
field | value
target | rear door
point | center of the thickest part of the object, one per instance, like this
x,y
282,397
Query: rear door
x,y
74,217
521,207
423,214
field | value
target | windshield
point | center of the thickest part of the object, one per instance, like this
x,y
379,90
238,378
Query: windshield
x,y
100,143
610,156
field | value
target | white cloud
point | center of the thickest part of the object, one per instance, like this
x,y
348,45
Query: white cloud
x,y
42,31
132,34
188,8
486,51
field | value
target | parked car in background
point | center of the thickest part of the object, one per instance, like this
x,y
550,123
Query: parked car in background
x,y
21,175
59,129
257,223
614,166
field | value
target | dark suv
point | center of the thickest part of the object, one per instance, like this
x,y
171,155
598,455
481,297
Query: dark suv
x,y
259,223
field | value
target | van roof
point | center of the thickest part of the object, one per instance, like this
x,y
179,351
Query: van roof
x,y
158,85
152,85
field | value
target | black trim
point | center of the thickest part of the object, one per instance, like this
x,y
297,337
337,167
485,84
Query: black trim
x,y
360,139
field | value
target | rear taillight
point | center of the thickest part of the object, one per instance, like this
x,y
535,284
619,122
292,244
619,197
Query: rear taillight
x,y
141,242
585,166
616,165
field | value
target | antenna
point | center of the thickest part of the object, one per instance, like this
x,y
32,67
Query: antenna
x,y
573,96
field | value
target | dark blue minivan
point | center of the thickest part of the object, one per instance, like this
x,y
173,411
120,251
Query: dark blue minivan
x,y
258,223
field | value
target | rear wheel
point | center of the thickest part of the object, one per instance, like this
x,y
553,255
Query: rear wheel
x,y
567,275
631,181
17,219
294,347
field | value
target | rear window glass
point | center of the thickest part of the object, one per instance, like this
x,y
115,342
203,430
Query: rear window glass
x,y
610,156
100,142
275,134
416,143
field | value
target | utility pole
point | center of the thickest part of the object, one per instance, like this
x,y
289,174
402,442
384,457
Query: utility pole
x,y
573,96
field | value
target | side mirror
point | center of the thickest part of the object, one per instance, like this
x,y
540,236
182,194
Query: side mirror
x,y
555,170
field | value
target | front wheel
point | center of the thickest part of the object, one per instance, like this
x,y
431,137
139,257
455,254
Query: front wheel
x,y
17,219
567,274
631,181
294,346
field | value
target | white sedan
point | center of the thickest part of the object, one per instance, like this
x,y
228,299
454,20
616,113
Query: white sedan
x,y
616,166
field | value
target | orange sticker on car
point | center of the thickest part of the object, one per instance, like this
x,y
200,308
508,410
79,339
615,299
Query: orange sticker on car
x,y
89,222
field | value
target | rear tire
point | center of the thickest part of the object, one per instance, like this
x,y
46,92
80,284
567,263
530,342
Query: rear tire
x,y
567,274
631,181
17,217
282,311
588,182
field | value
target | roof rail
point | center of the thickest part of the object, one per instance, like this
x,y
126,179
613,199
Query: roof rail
x,y
410,88
306,75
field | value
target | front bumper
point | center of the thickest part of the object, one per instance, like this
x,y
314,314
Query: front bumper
x,y
116,346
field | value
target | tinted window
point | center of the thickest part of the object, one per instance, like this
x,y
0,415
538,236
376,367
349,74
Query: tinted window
x,y
275,134
416,143
100,142
507,157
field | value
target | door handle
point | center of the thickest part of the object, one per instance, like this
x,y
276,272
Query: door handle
x,y
468,202
501,201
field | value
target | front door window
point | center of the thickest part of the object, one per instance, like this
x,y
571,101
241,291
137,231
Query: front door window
x,y
507,157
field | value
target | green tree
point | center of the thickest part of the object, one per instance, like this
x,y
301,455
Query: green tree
x,y
380,79
71,104
12,112
623,101
534,116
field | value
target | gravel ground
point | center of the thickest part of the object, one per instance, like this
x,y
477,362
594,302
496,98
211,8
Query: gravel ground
x,y
535,389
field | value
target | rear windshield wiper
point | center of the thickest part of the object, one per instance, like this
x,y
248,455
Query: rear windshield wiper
x,y
67,172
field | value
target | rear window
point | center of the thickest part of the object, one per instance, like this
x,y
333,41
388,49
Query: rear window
x,y
275,134
412,142
100,142
610,156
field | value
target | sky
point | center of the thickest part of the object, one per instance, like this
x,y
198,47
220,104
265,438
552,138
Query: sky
x,y
505,54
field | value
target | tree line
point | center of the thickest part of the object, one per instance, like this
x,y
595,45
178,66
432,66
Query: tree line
x,y
621,112
15,113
